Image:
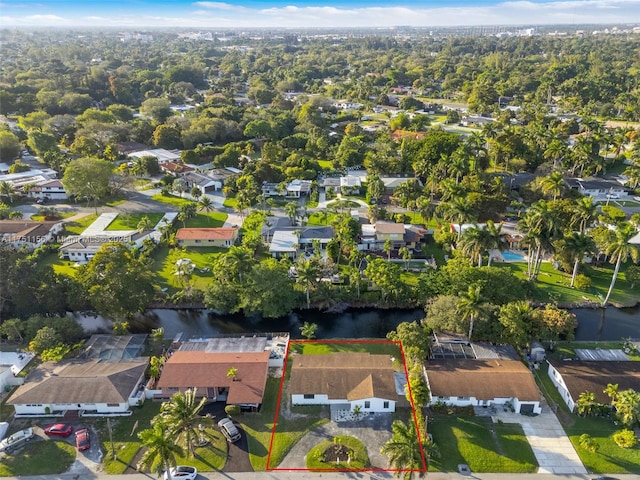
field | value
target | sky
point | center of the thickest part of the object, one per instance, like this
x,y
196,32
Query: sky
x,y
313,13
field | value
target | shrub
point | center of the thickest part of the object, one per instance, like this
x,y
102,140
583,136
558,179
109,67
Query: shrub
x,y
232,410
588,443
625,439
582,282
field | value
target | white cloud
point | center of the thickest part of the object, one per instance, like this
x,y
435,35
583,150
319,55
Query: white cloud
x,y
515,12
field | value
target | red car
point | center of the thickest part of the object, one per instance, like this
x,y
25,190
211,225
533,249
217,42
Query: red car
x,y
59,430
83,441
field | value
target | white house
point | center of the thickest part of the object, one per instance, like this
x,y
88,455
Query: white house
x,y
284,243
464,382
204,183
345,381
350,184
80,387
160,154
11,364
48,190
573,378
597,187
298,188
27,233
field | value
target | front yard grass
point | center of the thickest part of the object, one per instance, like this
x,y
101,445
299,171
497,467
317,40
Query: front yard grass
x,y
483,445
76,227
357,459
609,458
129,221
39,458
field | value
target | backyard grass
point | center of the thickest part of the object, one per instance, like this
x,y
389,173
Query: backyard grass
x,y
129,221
325,164
206,220
76,227
317,218
483,445
568,349
319,348
164,261
357,459
63,267
553,285
39,458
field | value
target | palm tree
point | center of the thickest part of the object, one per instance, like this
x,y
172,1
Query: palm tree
x,y
578,244
426,208
584,213
6,190
405,253
308,272
404,450
459,210
619,251
16,215
238,261
555,151
386,248
161,448
496,240
232,373
611,391
586,403
553,184
291,210
473,243
182,414
308,330
471,306
144,224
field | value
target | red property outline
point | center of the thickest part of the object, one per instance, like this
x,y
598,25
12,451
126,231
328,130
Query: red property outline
x,y
413,411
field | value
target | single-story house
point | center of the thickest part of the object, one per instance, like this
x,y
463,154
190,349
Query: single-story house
x,y
350,185
160,154
576,377
392,182
207,237
81,387
287,241
284,243
204,183
343,379
597,187
464,382
475,121
298,188
31,177
207,371
27,233
220,176
49,190
272,189
175,168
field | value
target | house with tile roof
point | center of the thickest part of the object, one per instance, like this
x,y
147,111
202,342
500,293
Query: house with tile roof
x,y
27,233
48,190
207,371
345,380
96,383
207,237
576,377
484,383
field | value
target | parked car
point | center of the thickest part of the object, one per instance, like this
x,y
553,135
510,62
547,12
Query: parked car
x,y
83,440
614,196
16,440
59,430
229,430
182,472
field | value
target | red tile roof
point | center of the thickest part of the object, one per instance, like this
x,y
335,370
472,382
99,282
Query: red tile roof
x,y
188,369
223,233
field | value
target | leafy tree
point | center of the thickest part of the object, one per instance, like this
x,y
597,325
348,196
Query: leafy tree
x,y
156,108
586,403
627,405
308,330
419,389
515,318
46,338
9,146
269,291
12,329
386,276
415,339
553,184
552,324
588,443
88,178
118,284
633,275
161,448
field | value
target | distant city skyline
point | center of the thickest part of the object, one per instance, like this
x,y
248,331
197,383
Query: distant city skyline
x,y
314,13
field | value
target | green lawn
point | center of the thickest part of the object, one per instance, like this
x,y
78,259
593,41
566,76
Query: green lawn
x,y
76,227
483,445
317,218
126,444
164,261
325,164
609,458
568,349
553,285
230,202
358,458
314,348
63,267
60,215
206,220
129,221
39,458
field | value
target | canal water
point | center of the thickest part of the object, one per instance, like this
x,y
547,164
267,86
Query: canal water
x,y
593,324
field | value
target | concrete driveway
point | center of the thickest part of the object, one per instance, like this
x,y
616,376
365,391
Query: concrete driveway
x,y
372,430
551,446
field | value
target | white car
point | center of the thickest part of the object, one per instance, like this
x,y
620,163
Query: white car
x,y
182,472
613,196
16,440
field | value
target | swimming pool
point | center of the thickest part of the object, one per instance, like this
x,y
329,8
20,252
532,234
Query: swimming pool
x,y
511,256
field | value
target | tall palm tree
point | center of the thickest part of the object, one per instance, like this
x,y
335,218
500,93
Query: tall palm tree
x,y
578,244
292,211
182,414
386,248
553,184
585,213
205,204
308,272
238,261
144,224
161,448
471,306
473,243
404,450
555,151
6,190
496,240
459,210
619,250
405,253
